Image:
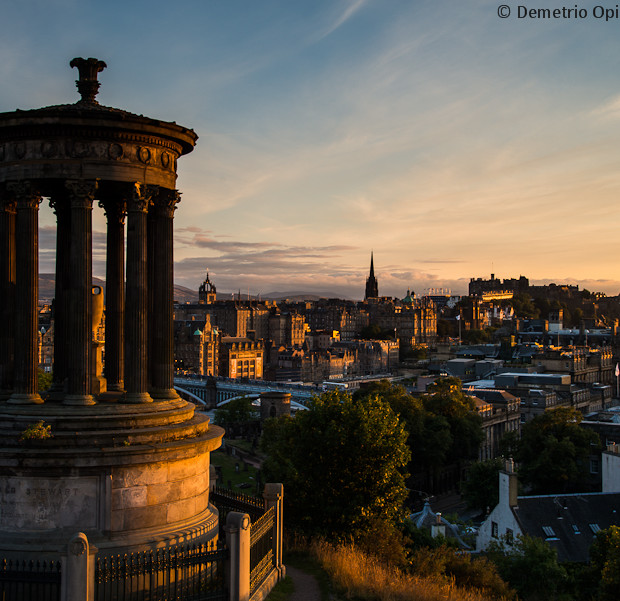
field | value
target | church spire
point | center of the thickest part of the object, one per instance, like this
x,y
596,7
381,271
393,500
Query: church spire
x,y
372,287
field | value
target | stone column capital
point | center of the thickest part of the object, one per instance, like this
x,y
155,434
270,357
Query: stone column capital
x,y
164,203
115,210
141,198
25,194
7,203
81,192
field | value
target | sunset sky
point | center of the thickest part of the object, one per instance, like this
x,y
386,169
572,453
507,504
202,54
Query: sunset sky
x,y
451,142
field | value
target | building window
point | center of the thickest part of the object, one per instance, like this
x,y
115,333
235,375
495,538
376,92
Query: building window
x,y
594,466
595,528
576,529
494,530
509,536
549,532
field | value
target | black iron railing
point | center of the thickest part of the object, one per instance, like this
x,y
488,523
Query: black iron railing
x,y
184,572
261,548
26,580
229,500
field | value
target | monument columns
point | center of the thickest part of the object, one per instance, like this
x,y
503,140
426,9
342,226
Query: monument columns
x,y
79,317
161,350
7,292
136,306
60,205
25,388
115,294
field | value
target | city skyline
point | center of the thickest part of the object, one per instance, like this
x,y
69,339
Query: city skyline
x,y
451,142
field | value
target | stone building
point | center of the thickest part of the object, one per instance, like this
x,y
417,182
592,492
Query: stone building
x,y
207,292
287,329
241,358
196,347
372,286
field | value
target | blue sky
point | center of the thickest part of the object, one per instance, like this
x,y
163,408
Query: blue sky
x,y
451,142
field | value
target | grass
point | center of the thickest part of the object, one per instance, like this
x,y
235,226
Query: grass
x,y
353,574
281,591
227,463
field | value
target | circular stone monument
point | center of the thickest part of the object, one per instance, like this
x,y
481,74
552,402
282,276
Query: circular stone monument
x,y
121,458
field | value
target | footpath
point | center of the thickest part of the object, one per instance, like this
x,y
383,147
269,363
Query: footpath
x,y
306,586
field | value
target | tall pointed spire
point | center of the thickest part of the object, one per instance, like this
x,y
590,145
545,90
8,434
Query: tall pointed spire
x,y
372,287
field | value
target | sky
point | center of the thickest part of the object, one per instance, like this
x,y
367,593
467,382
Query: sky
x,y
450,142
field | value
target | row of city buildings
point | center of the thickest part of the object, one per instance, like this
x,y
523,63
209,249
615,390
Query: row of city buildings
x,y
308,341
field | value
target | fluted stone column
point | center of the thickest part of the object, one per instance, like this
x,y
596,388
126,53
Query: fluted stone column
x,y
161,270
115,295
7,292
60,205
136,305
26,292
79,317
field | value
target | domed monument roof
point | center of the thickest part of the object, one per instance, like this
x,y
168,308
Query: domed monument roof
x,y
86,139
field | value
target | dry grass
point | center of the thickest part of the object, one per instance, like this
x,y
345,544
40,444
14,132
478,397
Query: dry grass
x,y
357,575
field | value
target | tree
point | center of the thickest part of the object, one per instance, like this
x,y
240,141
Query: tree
x,y
236,411
342,463
554,451
429,438
480,489
446,398
605,560
44,380
531,566
523,306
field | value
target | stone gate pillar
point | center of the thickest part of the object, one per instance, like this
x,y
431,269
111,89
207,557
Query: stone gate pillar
x,y
28,199
161,266
136,306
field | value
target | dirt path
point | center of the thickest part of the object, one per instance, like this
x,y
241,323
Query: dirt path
x,y
306,586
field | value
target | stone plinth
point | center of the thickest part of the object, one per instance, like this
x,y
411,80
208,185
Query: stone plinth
x,y
130,477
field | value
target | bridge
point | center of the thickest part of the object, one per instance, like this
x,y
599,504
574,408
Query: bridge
x,y
200,389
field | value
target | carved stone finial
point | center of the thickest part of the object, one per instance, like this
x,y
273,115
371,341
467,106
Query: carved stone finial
x,y
87,85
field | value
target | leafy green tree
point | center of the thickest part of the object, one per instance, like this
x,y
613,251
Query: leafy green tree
x,y
429,438
342,463
236,411
480,489
524,306
446,398
554,450
531,567
605,560
44,380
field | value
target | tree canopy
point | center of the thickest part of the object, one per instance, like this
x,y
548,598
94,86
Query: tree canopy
x,y
236,411
531,566
443,425
446,398
342,463
605,560
480,489
554,450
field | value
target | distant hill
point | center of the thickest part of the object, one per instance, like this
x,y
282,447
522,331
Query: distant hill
x,y
47,283
299,296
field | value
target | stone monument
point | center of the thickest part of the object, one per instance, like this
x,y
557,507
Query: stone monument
x,y
129,466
